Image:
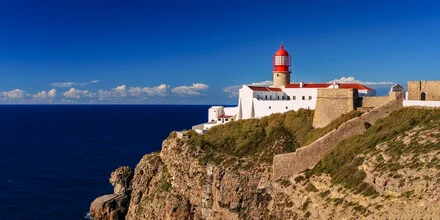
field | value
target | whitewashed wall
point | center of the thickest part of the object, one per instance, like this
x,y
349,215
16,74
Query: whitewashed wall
x,y
214,112
407,103
300,92
267,107
230,110
245,102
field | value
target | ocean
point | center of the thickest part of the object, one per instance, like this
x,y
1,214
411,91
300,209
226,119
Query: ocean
x,y
56,159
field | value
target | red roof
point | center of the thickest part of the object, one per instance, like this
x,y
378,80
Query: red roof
x,y
265,89
281,52
354,86
325,85
225,116
309,85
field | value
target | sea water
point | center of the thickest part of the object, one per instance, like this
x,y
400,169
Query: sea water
x,y
56,159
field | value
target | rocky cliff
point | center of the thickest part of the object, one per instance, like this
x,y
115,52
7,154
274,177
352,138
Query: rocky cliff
x,y
391,171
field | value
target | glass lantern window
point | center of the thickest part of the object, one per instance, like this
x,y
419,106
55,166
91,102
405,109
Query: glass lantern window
x,y
282,60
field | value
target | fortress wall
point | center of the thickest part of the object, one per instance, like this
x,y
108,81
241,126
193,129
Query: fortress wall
x,y
307,157
431,88
332,103
374,101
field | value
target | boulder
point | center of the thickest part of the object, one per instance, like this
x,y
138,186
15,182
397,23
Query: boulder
x,y
114,206
110,207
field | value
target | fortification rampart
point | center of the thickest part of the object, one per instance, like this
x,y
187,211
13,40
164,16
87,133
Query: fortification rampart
x,y
332,103
374,101
424,90
304,158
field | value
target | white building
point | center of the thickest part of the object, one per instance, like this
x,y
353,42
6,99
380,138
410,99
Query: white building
x,y
257,101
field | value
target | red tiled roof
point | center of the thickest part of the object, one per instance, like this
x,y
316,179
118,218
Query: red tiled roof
x,y
265,89
325,85
354,86
225,116
309,85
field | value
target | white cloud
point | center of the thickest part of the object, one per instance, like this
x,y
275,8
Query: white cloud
x,y
263,83
45,95
76,93
160,90
193,90
14,94
121,90
233,90
118,92
351,79
71,84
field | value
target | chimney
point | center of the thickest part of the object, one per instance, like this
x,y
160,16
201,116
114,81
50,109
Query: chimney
x,y
301,84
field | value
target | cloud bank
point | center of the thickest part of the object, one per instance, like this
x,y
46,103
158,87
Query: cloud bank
x,y
232,91
194,90
351,79
76,93
45,95
14,94
118,94
160,91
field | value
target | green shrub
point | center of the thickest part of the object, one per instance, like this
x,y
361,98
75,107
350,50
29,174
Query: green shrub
x,y
261,139
342,163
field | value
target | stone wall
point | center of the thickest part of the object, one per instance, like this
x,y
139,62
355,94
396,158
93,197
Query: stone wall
x,y
285,165
332,103
431,89
374,101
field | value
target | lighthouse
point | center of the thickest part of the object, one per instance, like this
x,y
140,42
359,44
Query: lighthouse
x,y
281,68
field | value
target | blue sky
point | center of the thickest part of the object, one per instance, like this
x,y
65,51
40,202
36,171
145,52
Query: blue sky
x,y
198,52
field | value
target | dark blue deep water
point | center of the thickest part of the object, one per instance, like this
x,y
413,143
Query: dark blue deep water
x,y
55,160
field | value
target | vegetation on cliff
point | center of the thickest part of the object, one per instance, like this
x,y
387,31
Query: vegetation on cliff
x,y
260,139
390,171
343,162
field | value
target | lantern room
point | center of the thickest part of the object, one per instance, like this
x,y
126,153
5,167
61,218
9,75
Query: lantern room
x,y
281,60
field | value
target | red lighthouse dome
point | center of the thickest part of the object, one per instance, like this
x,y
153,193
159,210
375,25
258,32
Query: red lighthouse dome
x,y
281,60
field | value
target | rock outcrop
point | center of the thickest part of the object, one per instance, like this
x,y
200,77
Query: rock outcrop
x,y
396,177
173,184
114,206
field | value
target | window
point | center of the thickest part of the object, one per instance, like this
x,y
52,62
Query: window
x,y
278,75
266,97
219,119
258,96
270,97
287,107
278,97
293,97
269,107
423,96
288,97
310,97
283,97
304,98
226,119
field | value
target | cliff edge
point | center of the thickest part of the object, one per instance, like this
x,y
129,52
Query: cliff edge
x,y
392,171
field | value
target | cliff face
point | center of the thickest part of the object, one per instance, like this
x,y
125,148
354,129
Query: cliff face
x,y
391,171
174,184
